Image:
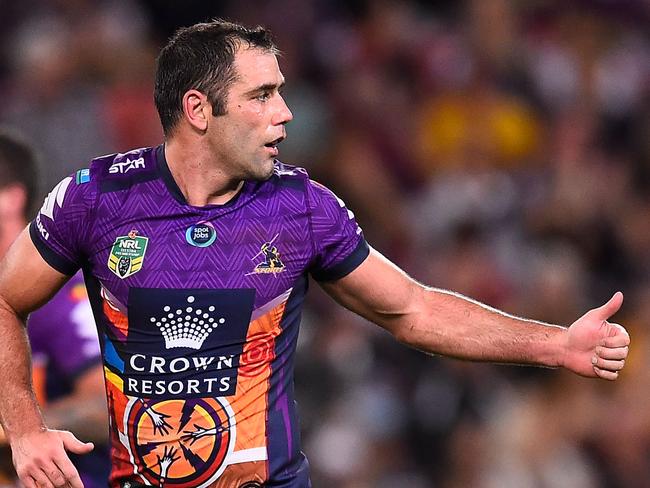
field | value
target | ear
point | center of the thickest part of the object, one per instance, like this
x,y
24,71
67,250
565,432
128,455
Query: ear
x,y
13,199
197,109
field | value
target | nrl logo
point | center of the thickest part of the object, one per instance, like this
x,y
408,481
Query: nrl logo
x,y
127,254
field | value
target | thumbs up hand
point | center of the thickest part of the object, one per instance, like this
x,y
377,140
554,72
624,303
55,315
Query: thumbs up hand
x,y
596,347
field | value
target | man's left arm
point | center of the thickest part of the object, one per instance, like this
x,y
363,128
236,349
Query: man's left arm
x,y
443,322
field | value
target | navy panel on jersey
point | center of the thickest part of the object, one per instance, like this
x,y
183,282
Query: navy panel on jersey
x,y
185,341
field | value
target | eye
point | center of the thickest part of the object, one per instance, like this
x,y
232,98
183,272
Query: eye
x,y
264,96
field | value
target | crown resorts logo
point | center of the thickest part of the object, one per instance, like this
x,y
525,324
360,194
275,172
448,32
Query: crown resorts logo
x,y
184,342
187,327
180,363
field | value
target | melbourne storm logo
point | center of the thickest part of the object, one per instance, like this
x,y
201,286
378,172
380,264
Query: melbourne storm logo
x,y
271,262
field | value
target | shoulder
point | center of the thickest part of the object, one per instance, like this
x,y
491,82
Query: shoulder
x,y
65,219
298,178
119,171
104,173
287,175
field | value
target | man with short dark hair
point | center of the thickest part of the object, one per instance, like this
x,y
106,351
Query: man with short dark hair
x,y
196,255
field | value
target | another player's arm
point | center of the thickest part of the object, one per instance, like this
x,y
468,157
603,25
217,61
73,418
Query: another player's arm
x,y
84,410
27,282
442,322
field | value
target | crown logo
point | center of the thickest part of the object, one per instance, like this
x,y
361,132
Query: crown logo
x,y
188,327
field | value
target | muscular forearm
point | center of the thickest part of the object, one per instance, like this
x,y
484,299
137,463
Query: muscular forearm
x,y
19,410
453,325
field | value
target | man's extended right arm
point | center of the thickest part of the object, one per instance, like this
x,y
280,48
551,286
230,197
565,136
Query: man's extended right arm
x,y
39,454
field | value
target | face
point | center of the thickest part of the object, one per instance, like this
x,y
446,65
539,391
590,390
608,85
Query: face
x,y
13,200
245,139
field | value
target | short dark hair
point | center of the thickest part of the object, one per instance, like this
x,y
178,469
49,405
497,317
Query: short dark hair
x,y
201,57
19,165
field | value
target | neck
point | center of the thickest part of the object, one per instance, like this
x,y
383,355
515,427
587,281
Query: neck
x,y
198,175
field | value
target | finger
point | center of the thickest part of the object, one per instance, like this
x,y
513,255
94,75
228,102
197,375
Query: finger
x,y
41,479
608,364
606,375
69,472
617,329
619,338
610,308
72,444
612,352
56,476
33,474
28,482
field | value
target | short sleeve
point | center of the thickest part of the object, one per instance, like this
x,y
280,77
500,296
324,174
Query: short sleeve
x,y
61,225
338,241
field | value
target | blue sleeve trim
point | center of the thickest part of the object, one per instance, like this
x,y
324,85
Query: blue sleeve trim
x,y
59,263
346,266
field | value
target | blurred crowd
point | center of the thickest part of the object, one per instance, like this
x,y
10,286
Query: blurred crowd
x,y
499,148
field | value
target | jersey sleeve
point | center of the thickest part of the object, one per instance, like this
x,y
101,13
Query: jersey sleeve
x,y
338,241
60,228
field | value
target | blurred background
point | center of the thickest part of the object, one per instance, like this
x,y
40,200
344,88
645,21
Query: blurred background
x,y
499,148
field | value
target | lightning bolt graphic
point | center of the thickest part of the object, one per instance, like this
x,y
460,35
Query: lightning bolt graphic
x,y
194,459
188,408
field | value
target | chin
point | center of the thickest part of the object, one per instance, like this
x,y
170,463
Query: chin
x,y
262,172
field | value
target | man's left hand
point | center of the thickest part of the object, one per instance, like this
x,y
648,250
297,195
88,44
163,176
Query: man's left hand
x,y
597,348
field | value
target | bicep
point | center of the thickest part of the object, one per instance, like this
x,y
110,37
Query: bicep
x,y
379,291
26,280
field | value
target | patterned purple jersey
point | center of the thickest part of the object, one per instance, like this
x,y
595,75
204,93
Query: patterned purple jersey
x,y
198,310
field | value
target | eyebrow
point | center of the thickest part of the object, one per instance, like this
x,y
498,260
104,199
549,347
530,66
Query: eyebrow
x,y
266,87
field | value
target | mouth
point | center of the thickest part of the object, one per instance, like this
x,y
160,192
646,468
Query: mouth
x,y
274,143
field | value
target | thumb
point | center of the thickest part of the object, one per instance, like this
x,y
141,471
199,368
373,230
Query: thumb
x,y
610,308
72,444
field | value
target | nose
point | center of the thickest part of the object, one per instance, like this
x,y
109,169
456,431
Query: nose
x,y
283,114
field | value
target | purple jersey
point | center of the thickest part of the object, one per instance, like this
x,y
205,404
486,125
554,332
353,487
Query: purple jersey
x,y
198,310
63,338
64,344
